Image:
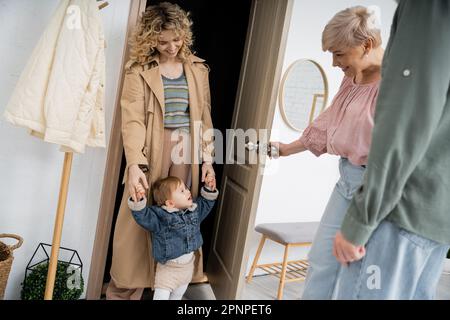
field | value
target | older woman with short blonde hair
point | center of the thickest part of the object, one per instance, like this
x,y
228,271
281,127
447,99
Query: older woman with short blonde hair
x,y
343,129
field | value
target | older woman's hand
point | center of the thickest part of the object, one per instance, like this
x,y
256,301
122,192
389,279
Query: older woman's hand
x,y
282,148
207,169
286,149
135,177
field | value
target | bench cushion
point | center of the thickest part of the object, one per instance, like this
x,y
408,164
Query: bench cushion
x,y
289,232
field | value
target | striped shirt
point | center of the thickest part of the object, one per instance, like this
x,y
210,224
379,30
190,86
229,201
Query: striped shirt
x,y
176,97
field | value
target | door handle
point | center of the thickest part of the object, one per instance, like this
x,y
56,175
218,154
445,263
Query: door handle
x,y
250,146
264,148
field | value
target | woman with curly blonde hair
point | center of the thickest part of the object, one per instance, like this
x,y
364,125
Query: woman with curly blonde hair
x,y
166,115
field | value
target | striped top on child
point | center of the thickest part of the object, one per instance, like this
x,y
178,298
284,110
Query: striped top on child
x,y
176,97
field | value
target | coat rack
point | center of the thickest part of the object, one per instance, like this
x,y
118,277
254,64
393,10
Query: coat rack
x,y
57,231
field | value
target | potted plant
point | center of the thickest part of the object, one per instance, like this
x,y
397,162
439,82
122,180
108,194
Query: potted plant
x,y
66,287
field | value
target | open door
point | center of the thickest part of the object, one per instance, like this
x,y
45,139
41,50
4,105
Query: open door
x,y
254,109
111,178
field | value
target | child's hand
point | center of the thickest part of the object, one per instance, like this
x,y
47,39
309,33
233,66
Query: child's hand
x,y
140,192
210,182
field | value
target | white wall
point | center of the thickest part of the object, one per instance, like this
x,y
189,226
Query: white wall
x,y
297,188
30,170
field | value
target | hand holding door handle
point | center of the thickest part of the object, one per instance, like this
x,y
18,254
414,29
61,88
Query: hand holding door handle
x,y
266,148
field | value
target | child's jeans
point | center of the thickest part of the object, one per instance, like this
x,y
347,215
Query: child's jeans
x,y
323,267
398,265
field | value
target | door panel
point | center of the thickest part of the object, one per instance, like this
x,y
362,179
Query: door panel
x,y
254,109
225,248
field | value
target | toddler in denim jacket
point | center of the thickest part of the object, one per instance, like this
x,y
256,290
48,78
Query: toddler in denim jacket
x,y
175,227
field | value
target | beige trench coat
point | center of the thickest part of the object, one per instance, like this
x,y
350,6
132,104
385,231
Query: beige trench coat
x,y
142,105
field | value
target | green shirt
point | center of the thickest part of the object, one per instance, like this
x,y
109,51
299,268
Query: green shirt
x,y
407,180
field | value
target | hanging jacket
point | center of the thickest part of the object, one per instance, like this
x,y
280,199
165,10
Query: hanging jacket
x,y
60,94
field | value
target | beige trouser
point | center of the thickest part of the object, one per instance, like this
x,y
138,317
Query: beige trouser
x,y
175,162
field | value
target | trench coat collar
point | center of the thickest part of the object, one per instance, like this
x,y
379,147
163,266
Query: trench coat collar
x,y
153,77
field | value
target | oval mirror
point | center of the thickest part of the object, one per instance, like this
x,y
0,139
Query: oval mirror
x,y
303,93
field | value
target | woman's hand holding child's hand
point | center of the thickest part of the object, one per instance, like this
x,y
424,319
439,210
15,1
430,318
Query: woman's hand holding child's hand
x,y
210,182
140,192
136,179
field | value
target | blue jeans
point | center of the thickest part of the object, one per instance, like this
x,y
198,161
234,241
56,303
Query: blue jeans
x,y
398,265
323,267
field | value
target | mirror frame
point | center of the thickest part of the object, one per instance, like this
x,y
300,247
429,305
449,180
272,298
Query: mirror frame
x,y
281,93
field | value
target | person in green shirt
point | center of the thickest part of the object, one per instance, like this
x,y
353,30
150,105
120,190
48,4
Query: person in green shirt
x,y
401,213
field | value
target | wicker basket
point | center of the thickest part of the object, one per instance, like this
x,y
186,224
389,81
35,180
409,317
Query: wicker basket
x,y
6,259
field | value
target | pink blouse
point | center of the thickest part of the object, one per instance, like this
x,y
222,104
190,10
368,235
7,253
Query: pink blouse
x,y
345,127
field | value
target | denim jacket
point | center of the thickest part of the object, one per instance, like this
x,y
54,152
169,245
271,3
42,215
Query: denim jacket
x,y
174,232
